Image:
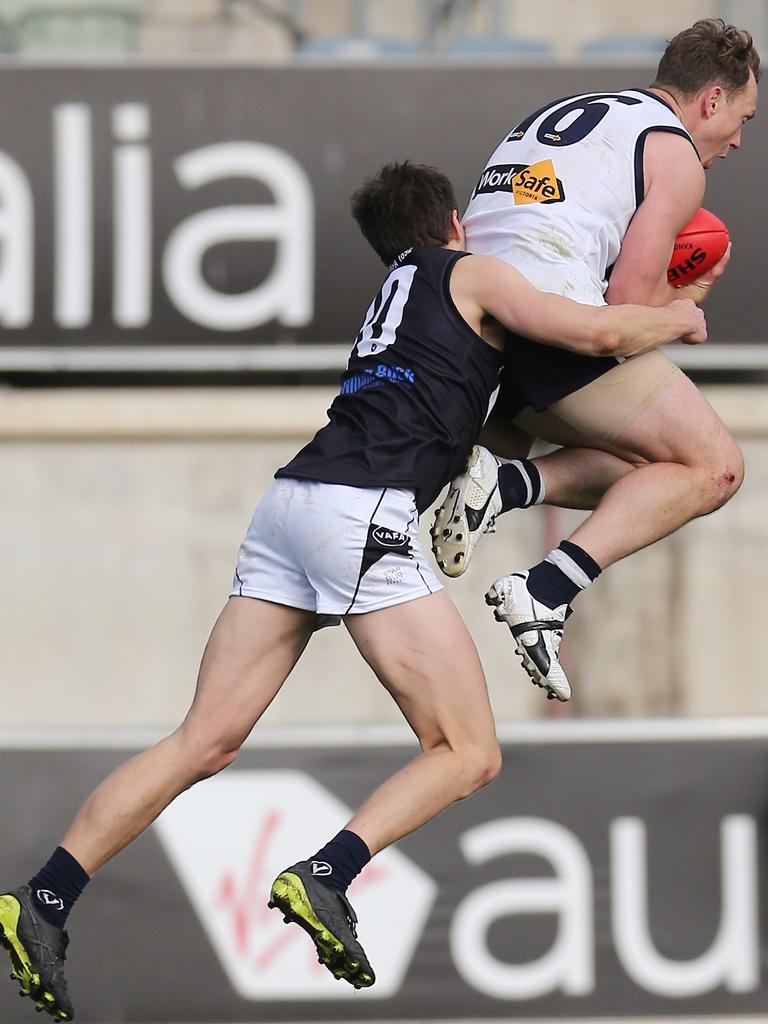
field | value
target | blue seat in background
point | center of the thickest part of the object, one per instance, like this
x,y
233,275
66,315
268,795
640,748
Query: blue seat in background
x,y
83,29
495,41
625,47
8,39
498,46
354,47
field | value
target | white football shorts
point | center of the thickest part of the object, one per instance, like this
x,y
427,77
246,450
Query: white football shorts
x,y
333,549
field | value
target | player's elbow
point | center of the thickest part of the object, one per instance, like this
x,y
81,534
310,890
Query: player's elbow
x,y
607,339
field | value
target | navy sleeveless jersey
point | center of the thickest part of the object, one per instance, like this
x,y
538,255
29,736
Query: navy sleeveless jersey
x,y
416,391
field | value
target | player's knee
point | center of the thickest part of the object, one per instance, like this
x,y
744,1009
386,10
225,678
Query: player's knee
x,y
216,755
207,755
724,477
492,766
479,767
220,757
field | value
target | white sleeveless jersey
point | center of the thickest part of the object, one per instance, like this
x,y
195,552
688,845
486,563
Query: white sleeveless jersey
x,y
557,195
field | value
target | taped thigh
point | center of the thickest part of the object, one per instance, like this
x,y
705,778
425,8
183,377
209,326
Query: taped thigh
x,y
604,408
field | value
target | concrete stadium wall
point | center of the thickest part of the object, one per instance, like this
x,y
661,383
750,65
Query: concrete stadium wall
x,y
123,511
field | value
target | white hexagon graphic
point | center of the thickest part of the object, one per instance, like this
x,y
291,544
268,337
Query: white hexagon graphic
x,y
229,837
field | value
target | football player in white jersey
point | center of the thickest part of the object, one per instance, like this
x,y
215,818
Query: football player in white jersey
x,y
585,197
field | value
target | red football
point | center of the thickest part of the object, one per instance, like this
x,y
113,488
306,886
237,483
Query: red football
x,y
698,248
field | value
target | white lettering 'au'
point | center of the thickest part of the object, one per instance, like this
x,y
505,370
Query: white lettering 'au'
x,y
733,958
569,963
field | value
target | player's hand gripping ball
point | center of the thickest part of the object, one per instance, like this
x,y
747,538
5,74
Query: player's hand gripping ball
x,y
699,246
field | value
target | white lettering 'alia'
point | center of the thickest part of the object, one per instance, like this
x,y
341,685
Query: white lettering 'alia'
x,y
286,295
16,245
732,960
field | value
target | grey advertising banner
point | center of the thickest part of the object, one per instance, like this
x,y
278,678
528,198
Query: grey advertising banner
x,y
593,879
208,206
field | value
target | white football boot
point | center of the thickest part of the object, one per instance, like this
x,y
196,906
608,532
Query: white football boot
x,y
469,510
538,631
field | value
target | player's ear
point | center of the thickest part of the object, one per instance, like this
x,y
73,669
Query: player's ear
x,y
711,99
457,229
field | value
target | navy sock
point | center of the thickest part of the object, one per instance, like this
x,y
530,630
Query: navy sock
x,y
341,860
56,886
563,574
520,484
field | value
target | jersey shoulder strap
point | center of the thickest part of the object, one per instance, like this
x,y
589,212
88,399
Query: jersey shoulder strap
x,y
656,116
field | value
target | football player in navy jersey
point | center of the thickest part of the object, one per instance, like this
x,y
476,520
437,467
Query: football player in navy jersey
x,y
585,197
335,537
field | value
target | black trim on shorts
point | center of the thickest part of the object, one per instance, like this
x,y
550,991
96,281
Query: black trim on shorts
x,y
418,570
239,580
640,150
414,515
362,557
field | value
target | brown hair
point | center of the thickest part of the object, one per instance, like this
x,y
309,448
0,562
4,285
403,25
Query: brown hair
x,y
709,52
404,205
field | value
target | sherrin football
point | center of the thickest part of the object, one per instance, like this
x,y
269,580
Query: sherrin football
x,y
698,247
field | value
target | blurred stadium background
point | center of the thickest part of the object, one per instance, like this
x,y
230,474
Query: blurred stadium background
x,y
179,284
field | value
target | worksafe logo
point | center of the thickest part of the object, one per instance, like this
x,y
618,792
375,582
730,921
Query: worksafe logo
x,y
228,839
528,183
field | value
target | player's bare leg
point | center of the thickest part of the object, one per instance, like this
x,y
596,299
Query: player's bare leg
x,y
577,478
252,648
577,475
694,466
422,652
691,467
573,477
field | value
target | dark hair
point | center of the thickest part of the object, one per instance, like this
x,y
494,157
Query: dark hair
x,y
708,53
404,205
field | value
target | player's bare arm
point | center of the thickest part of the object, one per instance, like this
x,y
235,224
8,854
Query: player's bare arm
x,y
675,183
481,286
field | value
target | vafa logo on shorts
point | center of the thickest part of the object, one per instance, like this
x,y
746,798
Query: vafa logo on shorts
x,y
382,541
528,183
389,538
